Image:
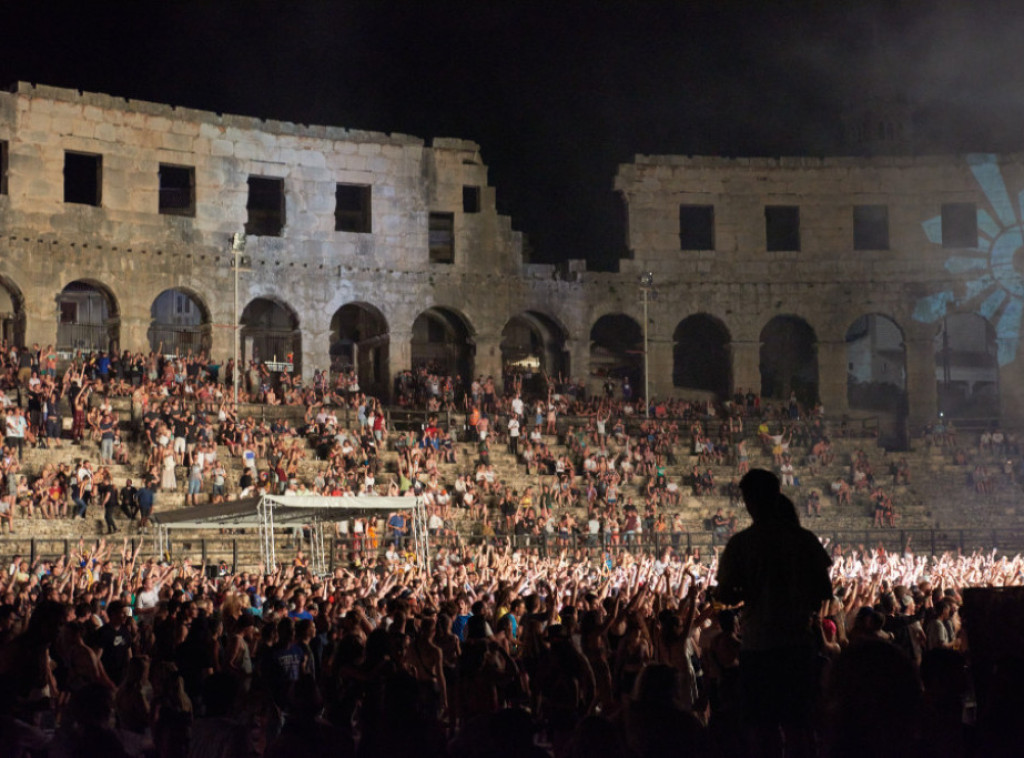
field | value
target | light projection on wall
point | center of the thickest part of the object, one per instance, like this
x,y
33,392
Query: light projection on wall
x,y
995,289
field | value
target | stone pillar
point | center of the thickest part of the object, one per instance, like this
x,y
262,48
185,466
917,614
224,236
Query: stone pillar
x,y
659,364
222,343
487,361
832,376
40,321
579,358
746,365
399,353
134,333
315,353
922,393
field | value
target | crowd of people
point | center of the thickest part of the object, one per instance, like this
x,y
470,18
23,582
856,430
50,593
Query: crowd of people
x,y
597,646
607,481
492,650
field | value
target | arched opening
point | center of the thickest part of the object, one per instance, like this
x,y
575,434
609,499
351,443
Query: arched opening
x,y
88,319
789,360
876,377
876,374
360,342
12,314
180,324
270,334
533,347
967,367
617,351
701,359
442,343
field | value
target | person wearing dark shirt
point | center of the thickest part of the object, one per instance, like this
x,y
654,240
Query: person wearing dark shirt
x,y
779,571
107,494
108,428
146,498
287,662
129,501
115,642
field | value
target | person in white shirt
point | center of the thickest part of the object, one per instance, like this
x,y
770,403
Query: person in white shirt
x,y
513,435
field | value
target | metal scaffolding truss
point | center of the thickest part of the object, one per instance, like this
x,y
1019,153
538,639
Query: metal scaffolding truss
x,y
268,551
314,512
270,513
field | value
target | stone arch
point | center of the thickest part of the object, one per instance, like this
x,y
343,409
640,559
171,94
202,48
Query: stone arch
x,y
876,365
88,318
442,341
533,346
360,342
967,367
270,333
12,313
789,360
617,350
701,356
876,374
180,323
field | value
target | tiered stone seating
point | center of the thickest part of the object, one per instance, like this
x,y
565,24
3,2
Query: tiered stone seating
x,y
956,504
937,497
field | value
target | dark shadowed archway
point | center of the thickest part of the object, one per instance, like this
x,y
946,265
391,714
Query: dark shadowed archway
x,y
967,367
533,347
789,360
876,377
617,350
88,318
270,333
360,342
442,342
180,323
12,313
701,359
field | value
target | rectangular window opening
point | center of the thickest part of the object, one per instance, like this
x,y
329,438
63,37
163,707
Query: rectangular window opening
x,y
782,227
959,225
470,199
3,167
265,206
352,208
870,227
83,178
696,227
177,190
442,237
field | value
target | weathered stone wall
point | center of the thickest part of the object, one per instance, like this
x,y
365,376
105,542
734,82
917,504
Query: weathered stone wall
x,y
828,283
132,252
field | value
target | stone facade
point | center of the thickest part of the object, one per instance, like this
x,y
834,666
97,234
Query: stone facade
x,y
922,279
431,270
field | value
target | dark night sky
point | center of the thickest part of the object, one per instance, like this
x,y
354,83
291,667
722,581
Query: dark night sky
x,y
557,93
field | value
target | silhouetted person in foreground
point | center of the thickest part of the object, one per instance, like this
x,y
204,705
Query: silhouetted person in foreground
x,y
779,572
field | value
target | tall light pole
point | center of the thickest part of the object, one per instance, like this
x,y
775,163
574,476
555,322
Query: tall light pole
x,y
647,292
237,248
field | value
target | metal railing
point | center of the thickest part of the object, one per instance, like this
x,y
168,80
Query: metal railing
x,y
243,550
84,337
179,340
